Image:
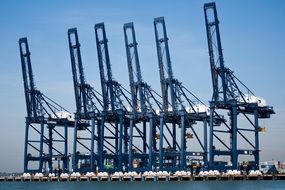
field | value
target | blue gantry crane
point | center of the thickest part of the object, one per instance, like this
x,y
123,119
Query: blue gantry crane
x,y
87,116
181,109
115,103
144,118
46,131
230,95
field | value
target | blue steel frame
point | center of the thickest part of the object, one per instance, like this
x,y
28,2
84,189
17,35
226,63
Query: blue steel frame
x,y
143,115
42,119
110,131
230,97
114,113
174,111
87,116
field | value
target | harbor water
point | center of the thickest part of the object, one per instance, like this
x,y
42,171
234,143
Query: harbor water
x,y
166,185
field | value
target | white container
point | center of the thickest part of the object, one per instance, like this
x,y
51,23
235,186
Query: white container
x,y
253,99
63,115
198,108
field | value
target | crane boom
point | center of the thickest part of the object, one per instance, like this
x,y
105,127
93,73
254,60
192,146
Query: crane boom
x,y
164,62
77,71
135,76
28,78
105,72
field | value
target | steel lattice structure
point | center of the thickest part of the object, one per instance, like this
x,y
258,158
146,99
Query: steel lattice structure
x,y
46,124
231,95
140,129
181,109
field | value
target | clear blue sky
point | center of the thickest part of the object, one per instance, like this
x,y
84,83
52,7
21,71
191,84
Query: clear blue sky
x,y
253,37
